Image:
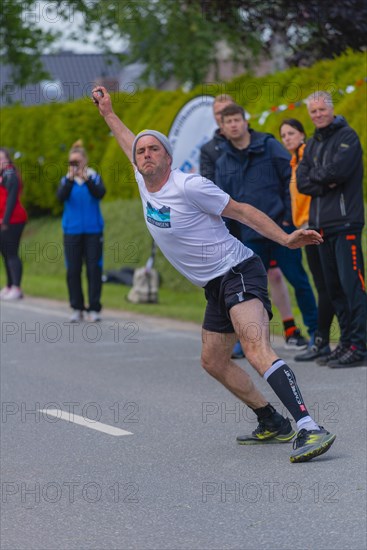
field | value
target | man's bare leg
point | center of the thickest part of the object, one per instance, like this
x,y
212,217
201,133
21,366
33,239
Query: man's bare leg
x,y
216,360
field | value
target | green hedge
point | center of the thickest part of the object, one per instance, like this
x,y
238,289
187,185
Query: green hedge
x,y
44,134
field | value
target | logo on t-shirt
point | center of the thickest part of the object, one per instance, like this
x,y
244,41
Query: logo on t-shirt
x,y
161,217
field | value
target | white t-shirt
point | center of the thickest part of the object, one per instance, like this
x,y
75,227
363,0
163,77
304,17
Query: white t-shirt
x,y
184,219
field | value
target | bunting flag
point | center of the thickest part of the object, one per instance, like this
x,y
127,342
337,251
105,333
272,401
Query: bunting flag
x,y
279,108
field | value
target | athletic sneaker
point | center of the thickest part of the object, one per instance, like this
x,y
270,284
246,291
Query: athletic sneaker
x,y
296,341
76,316
333,356
353,357
311,443
94,317
319,348
14,293
276,429
237,352
4,291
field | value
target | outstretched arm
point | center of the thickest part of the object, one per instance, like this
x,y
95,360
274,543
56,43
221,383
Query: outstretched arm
x,y
260,222
123,135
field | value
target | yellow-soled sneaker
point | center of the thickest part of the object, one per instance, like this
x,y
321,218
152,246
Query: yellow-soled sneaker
x,y
311,443
280,431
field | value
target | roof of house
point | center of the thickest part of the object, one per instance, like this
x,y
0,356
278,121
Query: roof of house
x,y
72,76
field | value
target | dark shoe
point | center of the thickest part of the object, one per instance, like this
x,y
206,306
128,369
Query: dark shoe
x,y
318,349
309,444
237,352
334,355
351,358
296,341
276,429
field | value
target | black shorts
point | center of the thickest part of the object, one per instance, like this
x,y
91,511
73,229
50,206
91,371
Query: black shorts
x,y
241,283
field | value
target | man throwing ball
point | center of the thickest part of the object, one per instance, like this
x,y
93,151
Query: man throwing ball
x,y
183,213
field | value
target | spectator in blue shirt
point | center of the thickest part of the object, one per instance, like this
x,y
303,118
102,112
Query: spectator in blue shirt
x,y
81,191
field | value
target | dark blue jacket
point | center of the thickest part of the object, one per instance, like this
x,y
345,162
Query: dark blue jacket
x,y
262,180
82,212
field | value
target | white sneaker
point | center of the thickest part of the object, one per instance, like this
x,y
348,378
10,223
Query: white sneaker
x,y
94,317
4,291
76,316
14,293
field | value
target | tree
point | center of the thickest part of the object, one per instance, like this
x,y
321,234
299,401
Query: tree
x,y
21,43
310,29
173,38
180,38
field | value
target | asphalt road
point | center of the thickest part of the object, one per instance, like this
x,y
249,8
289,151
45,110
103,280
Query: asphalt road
x,y
177,480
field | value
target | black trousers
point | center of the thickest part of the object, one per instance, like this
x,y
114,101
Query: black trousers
x,y
342,263
86,248
325,308
9,247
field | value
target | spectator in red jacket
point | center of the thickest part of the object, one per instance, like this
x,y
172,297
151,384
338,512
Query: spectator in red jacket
x,y
12,221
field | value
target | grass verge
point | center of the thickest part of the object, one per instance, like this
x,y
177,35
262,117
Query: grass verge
x,y
127,244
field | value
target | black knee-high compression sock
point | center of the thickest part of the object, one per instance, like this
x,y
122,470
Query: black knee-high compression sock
x,y
283,381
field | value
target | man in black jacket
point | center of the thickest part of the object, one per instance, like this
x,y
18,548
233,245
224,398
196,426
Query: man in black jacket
x,y
211,150
332,172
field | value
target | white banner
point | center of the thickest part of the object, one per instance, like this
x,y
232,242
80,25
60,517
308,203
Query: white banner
x,y
193,126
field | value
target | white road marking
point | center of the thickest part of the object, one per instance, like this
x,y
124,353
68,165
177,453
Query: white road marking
x,y
71,417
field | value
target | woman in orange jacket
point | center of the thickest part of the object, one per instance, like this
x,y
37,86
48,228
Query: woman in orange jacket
x,y
293,137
